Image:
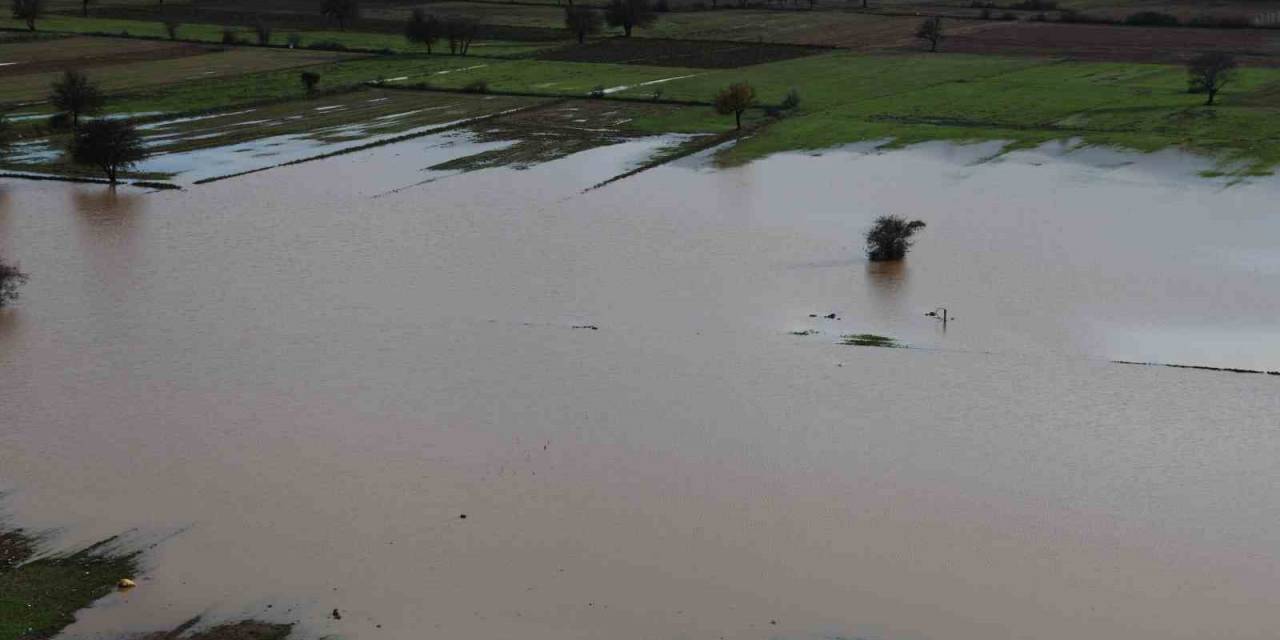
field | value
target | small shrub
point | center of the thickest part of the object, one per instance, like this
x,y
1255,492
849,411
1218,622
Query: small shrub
x,y
597,91
477,86
229,36
294,40
1151,19
1009,16
890,238
171,27
657,94
310,80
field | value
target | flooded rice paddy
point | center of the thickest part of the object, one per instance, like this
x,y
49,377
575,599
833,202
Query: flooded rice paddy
x,y
296,383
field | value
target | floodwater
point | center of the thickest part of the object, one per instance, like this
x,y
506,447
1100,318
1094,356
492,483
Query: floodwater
x,y
291,386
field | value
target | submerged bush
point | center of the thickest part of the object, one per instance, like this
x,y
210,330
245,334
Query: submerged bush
x,y
890,238
10,279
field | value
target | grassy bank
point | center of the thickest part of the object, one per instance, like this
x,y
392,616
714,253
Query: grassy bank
x,y
39,597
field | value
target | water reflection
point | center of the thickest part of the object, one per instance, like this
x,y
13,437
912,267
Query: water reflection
x,y
108,220
888,285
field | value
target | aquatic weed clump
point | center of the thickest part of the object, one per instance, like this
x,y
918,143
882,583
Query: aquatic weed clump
x,y
870,340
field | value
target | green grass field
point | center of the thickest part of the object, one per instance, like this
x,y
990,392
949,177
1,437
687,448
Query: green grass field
x,y
845,96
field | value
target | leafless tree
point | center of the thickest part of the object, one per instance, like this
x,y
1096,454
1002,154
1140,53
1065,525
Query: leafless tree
x,y
1209,72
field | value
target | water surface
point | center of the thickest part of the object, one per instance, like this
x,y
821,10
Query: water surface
x,y
295,383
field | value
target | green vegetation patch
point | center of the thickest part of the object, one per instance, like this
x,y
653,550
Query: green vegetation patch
x,y
38,597
870,340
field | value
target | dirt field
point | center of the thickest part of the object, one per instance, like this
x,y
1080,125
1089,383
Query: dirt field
x,y
56,54
135,70
858,31
1109,42
678,53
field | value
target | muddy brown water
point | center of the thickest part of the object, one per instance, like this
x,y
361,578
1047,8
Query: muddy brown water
x,y
295,383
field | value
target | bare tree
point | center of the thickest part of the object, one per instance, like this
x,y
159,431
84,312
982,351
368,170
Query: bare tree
x,y
84,8
110,145
931,30
263,31
582,21
341,11
1209,72
460,31
27,11
75,95
890,238
629,14
423,28
10,279
735,98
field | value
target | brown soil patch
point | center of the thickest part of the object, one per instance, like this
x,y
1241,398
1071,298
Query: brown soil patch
x,y
1116,43
86,52
678,53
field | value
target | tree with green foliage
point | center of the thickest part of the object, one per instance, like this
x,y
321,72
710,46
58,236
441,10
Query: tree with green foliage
x,y
110,145
735,98
582,21
890,238
629,14
74,95
931,30
309,81
1209,72
10,279
340,11
27,11
423,28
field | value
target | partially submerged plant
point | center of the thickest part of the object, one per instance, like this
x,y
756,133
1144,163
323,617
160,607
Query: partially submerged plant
x,y
10,279
890,238
869,340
